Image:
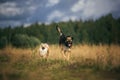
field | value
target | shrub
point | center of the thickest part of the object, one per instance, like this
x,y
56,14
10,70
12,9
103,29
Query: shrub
x,y
24,41
3,42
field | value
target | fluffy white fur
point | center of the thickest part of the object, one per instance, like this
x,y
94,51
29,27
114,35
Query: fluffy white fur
x,y
44,50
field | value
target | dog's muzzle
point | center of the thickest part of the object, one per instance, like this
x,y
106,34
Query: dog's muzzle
x,y
43,48
68,44
68,41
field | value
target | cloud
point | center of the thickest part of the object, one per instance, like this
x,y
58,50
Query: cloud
x,y
70,17
55,15
94,8
27,24
19,11
15,8
16,12
10,9
84,9
78,6
52,3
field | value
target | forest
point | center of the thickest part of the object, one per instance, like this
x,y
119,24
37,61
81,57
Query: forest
x,y
105,30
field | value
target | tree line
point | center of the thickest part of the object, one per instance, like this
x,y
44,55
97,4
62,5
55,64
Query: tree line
x,y
105,30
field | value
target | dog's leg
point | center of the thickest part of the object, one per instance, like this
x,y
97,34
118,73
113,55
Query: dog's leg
x,y
63,53
68,55
47,54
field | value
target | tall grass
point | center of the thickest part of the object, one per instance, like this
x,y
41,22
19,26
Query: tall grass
x,y
22,64
102,54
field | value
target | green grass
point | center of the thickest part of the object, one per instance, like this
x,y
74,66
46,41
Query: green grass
x,y
41,69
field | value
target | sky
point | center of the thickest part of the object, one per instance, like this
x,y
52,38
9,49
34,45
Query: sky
x,y
26,12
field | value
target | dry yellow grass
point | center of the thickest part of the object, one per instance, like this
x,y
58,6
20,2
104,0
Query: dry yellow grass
x,y
22,64
102,54
15,53
99,53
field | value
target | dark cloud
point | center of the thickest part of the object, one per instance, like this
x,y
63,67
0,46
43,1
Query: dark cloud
x,y
17,12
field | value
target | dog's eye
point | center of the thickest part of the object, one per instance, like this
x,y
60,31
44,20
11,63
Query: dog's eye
x,y
69,40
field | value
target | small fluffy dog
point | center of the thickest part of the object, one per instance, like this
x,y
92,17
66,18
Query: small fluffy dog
x,y
44,50
65,43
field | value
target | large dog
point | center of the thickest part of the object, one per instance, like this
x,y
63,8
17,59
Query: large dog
x,y
65,43
44,50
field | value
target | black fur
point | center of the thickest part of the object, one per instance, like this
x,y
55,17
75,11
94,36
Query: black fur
x,y
64,40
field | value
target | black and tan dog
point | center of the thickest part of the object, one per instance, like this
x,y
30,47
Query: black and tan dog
x,y
65,43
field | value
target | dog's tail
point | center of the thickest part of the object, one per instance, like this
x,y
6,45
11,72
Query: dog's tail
x,y
59,30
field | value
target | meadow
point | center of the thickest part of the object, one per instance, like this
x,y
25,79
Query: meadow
x,y
87,62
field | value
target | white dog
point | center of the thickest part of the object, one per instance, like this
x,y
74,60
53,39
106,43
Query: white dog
x,y
44,50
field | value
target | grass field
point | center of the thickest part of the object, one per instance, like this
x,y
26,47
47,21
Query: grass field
x,y
87,62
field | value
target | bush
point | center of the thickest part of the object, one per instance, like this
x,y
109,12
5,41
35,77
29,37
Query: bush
x,y
24,41
33,41
3,42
